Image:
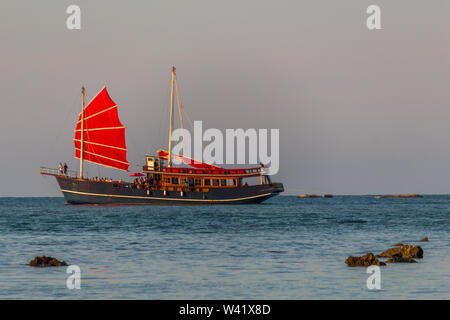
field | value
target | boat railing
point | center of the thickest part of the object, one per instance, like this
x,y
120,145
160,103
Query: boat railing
x,y
206,171
56,172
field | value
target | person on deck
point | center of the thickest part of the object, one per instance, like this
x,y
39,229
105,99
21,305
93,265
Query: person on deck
x,y
65,169
60,168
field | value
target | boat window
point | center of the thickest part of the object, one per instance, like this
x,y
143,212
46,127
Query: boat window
x,y
174,180
198,182
223,182
215,182
231,182
166,180
207,182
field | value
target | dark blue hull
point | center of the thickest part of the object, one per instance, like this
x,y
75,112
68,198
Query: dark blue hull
x,y
92,192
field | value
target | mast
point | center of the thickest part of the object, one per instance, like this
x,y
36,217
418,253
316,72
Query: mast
x,y
83,93
170,121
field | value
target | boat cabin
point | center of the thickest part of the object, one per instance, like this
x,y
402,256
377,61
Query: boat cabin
x,y
160,175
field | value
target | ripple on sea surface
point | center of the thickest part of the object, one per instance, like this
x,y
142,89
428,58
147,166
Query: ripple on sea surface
x,y
284,248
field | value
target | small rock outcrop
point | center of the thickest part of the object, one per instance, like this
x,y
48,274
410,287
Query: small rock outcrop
x,y
408,195
44,261
400,259
424,239
364,261
404,251
398,245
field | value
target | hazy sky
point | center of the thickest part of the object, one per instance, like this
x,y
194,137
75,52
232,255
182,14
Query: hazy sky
x,y
359,111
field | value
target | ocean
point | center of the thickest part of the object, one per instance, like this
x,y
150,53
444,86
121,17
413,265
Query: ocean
x,y
284,248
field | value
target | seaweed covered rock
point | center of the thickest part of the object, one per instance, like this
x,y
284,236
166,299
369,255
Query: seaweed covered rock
x,y
404,251
408,195
398,245
400,259
44,261
364,261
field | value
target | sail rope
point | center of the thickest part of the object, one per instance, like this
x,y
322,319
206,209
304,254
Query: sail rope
x,y
162,121
191,124
63,124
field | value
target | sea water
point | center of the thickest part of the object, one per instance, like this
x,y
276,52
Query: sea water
x,y
284,248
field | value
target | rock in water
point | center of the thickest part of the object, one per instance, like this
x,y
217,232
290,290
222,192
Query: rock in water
x,y
398,245
46,262
404,251
399,259
364,261
424,239
409,195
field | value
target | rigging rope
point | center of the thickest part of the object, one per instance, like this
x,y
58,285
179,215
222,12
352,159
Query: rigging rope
x,y
63,125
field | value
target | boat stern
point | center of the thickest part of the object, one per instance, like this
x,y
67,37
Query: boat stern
x,y
277,187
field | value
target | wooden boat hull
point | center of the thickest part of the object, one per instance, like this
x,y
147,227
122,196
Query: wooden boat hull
x,y
78,191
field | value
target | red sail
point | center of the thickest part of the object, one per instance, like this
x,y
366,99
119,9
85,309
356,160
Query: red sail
x,y
189,161
104,134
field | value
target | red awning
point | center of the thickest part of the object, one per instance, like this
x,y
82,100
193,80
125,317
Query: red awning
x,y
189,161
137,174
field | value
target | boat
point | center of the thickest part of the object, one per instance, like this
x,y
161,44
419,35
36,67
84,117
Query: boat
x,y
100,139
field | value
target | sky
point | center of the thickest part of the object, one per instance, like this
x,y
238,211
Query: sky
x,y
359,111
